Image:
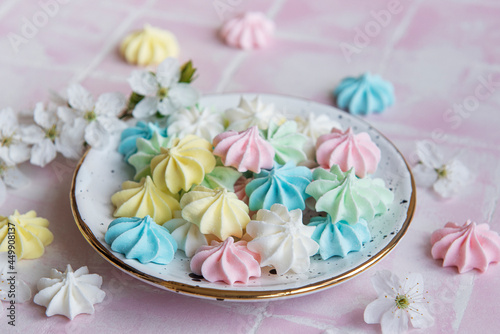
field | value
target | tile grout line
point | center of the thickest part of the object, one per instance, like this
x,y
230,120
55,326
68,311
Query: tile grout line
x,y
259,320
398,34
115,36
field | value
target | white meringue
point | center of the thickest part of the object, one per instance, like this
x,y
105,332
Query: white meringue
x,y
70,293
282,240
252,30
200,122
314,126
249,114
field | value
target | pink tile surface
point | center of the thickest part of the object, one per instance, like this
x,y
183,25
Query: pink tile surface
x,y
437,54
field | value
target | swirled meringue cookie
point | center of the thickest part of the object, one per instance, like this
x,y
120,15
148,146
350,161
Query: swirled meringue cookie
x,y
340,238
287,143
70,293
221,176
184,164
314,126
365,94
226,261
149,46
348,150
239,188
146,151
467,247
282,240
199,122
215,211
129,137
141,239
251,30
186,234
283,184
245,150
31,234
251,113
345,197
140,199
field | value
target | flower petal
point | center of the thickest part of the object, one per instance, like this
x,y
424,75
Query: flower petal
x,y
168,72
458,172
45,118
423,320
79,98
14,178
23,293
19,153
425,176
143,82
183,95
96,135
32,134
394,322
445,187
111,104
385,283
8,120
111,124
375,310
43,153
71,139
66,114
146,107
3,196
429,154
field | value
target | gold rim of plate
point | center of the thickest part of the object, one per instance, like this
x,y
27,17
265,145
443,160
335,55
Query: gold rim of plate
x,y
238,294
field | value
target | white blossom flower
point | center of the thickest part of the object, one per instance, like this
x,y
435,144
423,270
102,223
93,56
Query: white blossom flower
x,y
13,150
11,177
45,136
445,176
23,291
162,90
398,302
94,121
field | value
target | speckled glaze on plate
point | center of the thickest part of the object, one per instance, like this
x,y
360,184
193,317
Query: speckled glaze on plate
x,y
100,174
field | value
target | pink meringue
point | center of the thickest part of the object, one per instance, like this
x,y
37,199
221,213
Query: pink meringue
x,y
226,261
239,188
250,30
245,150
347,150
467,247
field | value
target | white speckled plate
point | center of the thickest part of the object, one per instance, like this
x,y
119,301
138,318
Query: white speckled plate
x,y
101,172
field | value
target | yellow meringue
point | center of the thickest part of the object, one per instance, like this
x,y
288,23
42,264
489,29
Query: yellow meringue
x,y
216,211
139,199
184,164
149,46
31,234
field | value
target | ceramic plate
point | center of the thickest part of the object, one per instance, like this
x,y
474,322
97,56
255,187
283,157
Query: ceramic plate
x,y
101,173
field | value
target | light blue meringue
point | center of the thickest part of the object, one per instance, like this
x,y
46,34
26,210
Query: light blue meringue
x,y
283,184
365,94
129,137
141,239
340,238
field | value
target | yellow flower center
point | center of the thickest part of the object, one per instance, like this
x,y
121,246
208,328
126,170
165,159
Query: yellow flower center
x,y
162,92
442,172
6,141
402,302
90,116
52,133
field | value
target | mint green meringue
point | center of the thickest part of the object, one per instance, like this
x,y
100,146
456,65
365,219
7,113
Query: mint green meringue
x,y
146,151
221,176
345,197
288,144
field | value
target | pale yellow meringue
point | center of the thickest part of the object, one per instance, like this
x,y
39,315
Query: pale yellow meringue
x,y
149,46
30,234
139,199
216,211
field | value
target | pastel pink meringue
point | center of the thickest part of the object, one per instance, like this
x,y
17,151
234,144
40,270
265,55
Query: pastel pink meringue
x,y
226,261
239,188
467,247
348,150
245,150
250,30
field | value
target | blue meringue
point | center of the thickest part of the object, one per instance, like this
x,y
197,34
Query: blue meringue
x,y
283,184
364,95
141,239
340,238
129,137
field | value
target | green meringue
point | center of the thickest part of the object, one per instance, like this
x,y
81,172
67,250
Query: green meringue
x,y
221,176
286,141
146,151
345,197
